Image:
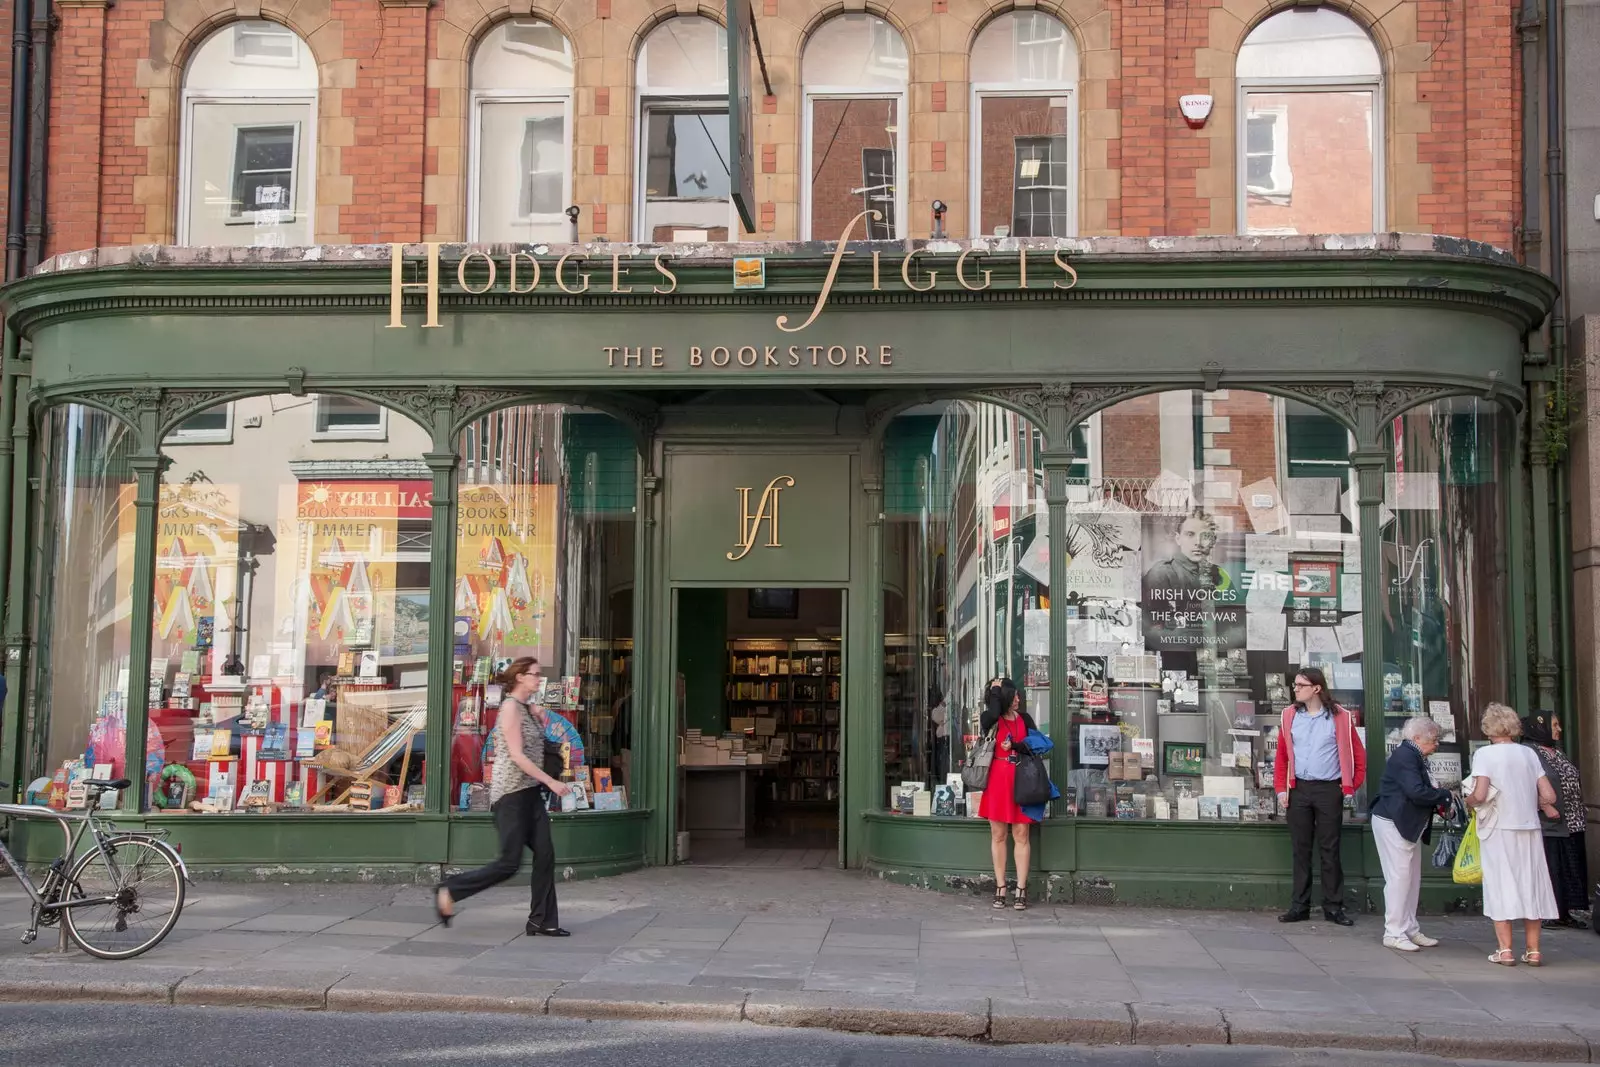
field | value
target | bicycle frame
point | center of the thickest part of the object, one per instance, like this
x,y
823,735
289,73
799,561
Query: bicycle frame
x,y
72,838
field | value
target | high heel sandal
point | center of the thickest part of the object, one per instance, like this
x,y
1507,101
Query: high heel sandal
x,y
1001,891
438,908
1022,899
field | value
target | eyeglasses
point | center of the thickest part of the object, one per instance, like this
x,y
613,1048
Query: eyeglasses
x,y
1305,685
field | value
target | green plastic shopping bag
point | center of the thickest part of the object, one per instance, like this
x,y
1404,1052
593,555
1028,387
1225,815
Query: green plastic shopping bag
x,y
1468,869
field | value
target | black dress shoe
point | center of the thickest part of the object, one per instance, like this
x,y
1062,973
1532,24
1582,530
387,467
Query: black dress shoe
x,y
1338,918
546,931
1294,916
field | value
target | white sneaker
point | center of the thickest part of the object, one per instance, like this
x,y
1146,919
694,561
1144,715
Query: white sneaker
x,y
1401,944
1422,940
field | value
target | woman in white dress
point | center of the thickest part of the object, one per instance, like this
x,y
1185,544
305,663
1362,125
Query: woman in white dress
x,y
1508,791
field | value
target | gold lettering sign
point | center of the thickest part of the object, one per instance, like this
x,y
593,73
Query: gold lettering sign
x,y
750,524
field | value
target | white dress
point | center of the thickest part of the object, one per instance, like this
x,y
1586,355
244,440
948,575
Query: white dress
x,y
1516,879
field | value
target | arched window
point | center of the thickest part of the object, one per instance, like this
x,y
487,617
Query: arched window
x,y
854,71
521,170
683,174
1024,71
248,143
1310,138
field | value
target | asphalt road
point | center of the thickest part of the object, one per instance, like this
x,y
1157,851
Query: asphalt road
x,y
91,1035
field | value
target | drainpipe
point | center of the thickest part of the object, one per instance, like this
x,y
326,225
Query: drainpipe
x,y
17,166
1555,118
38,131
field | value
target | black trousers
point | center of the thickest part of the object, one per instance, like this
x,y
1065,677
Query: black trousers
x,y
524,822
1316,813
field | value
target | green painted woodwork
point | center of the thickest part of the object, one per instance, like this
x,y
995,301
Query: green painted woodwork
x,y
351,847
703,657
735,519
1356,335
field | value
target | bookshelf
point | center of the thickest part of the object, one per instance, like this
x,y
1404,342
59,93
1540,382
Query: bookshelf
x,y
605,671
905,715
792,689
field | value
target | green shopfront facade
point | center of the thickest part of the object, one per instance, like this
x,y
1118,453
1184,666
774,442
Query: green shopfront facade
x,y
277,514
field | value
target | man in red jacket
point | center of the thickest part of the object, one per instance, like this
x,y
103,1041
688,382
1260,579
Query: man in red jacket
x,y
1320,761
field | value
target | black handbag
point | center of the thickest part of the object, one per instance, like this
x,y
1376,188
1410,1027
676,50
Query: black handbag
x,y
1031,782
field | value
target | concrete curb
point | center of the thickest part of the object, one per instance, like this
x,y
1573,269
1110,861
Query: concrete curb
x,y
974,1019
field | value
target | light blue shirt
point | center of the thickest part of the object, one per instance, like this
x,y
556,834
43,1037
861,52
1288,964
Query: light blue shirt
x,y
1316,748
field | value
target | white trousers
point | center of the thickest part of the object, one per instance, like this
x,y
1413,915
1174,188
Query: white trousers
x,y
1402,878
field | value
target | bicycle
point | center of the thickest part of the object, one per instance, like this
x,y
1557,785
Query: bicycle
x,y
116,900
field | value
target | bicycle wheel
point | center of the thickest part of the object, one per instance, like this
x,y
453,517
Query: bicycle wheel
x,y
138,890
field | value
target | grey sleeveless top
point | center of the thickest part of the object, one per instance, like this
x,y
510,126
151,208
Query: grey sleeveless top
x,y
507,776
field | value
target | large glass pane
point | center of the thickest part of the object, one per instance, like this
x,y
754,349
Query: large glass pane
x,y
685,174
1023,47
1307,162
544,568
523,168
1212,557
1025,165
854,144
85,611
688,54
966,582
1444,573
289,658
1309,42
522,55
249,174
855,50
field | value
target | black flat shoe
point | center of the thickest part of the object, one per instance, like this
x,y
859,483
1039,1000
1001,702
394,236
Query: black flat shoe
x,y
444,916
1338,918
546,931
1294,916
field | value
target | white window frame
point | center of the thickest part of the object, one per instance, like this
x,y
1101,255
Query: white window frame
x,y
480,97
647,99
1375,134
379,432
270,30
251,217
306,135
985,90
1282,175
902,120
180,436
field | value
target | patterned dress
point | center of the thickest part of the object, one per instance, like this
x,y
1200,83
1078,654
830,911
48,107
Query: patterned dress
x,y
1566,856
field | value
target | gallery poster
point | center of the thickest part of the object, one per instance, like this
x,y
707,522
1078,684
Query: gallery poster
x,y
506,564
344,543
1192,591
1102,553
197,554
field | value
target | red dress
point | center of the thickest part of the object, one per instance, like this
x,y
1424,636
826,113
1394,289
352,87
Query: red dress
x,y
999,797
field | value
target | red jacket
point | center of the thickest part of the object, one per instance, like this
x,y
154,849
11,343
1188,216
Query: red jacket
x,y
1352,753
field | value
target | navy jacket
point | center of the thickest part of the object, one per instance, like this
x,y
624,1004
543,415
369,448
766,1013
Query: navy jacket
x,y
1404,797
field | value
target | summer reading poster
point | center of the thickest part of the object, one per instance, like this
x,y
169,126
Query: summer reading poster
x,y
505,562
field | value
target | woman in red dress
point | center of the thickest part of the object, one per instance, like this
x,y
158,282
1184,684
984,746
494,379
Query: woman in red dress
x,y
1003,713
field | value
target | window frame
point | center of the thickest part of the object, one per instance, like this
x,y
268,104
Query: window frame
x,y
982,91
179,436
249,218
646,103
244,28
902,121
306,133
378,432
477,98
1376,133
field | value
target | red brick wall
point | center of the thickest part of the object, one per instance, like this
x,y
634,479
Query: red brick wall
x,y
840,129
127,40
76,133
388,103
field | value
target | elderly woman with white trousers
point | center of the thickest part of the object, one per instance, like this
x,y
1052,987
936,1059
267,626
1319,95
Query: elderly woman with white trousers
x,y
1507,791
1402,820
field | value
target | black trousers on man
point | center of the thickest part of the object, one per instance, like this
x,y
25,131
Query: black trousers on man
x,y
523,819
1316,814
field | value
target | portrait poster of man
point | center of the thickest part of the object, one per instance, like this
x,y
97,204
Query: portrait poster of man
x,y
1192,593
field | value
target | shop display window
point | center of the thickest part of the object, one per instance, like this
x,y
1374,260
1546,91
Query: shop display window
x,y
84,612
1445,573
544,568
289,652
966,588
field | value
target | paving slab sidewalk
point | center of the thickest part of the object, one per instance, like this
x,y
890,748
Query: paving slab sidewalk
x,y
826,948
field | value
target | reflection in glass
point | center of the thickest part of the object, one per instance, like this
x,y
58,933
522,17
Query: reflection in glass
x,y
289,644
84,613
1308,162
1444,571
544,568
522,76
966,591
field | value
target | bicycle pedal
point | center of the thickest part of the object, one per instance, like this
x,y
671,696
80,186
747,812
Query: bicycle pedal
x,y
30,936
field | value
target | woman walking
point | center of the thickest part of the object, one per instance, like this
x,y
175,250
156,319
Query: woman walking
x,y
1402,819
1004,714
1563,838
1509,790
517,796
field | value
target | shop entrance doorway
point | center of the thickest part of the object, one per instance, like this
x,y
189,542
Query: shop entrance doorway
x,y
760,726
